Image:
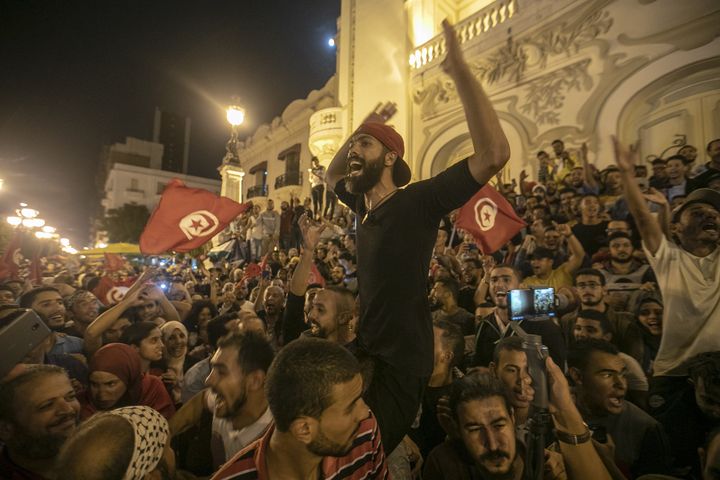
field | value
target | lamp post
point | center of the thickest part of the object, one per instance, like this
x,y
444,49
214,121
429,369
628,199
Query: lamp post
x,y
235,115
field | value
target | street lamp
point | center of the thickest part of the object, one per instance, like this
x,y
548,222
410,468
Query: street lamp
x,y
235,115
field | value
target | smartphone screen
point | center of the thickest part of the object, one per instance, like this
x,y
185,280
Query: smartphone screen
x,y
531,303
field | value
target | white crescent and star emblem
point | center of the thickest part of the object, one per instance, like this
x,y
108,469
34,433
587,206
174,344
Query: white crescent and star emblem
x,y
485,213
200,223
115,294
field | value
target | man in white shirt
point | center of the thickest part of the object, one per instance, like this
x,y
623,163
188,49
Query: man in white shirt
x,y
687,270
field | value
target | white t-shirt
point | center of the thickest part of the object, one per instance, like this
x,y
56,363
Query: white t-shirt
x,y
690,288
226,441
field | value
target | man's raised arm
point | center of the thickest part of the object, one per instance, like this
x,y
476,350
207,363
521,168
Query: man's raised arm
x,y
647,224
492,150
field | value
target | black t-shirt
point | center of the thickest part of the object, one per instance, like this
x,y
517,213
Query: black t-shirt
x,y
394,247
592,237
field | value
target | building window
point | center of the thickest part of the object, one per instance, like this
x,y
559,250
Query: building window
x,y
134,184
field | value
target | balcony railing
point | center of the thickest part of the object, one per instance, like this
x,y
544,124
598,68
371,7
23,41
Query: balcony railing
x,y
257,191
480,22
326,131
287,179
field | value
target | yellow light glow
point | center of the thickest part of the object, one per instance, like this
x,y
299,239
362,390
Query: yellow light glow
x,y
65,242
14,221
49,229
101,245
70,250
33,222
235,115
43,235
29,212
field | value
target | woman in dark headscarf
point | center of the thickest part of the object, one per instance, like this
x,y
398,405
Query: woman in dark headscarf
x,y
116,380
649,311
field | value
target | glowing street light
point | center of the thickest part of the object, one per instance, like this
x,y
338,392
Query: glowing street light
x,y
14,221
29,212
49,229
33,222
235,115
65,242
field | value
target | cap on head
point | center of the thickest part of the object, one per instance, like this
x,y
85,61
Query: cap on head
x,y
393,142
701,195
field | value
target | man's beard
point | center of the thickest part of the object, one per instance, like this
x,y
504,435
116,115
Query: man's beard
x,y
370,176
621,260
36,448
234,409
324,447
591,303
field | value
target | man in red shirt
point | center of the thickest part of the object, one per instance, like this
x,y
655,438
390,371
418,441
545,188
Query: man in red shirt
x,y
322,427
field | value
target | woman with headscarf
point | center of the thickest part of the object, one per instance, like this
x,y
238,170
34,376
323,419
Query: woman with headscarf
x,y
175,361
117,380
649,312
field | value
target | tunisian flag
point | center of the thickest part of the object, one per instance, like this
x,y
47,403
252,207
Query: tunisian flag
x,y
187,218
490,219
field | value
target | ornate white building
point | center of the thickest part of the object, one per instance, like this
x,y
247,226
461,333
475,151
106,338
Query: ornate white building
x,y
569,69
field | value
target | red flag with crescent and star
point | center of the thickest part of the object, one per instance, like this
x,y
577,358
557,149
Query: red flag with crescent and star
x,y
187,218
490,219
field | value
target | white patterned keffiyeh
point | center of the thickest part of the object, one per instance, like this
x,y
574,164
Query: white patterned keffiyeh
x,y
151,435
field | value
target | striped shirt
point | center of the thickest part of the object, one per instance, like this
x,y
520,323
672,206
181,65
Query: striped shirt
x,y
365,461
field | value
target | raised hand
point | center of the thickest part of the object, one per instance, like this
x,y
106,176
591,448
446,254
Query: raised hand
x,y
454,59
625,157
656,197
310,231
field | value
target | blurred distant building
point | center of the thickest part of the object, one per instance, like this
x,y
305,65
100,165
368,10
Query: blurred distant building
x,y
172,130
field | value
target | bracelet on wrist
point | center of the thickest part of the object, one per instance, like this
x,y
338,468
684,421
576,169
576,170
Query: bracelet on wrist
x,y
572,438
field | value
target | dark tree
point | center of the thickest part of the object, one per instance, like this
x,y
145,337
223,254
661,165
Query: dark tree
x,y
125,224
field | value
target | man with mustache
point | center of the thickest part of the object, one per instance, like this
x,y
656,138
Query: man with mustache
x,y
485,445
687,270
625,274
367,174
38,413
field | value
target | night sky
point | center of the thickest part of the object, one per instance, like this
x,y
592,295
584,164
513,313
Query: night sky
x,y
77,75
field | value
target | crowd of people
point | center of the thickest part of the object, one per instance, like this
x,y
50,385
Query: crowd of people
x,y
373,339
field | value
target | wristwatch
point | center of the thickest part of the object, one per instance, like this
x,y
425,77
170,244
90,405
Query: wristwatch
x,y
574,439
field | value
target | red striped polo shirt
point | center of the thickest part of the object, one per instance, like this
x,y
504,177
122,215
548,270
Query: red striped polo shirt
x,y
365,461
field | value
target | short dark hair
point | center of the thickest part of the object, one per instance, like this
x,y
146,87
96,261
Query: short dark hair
x,y
616,235
557,141
451,285
706,366
344,299
591,272
137,332
254,350
477,386
216,328
579,354
682,158
707,148
597,317
452,339
9,388
301,378
541,152
515,271
512,343
101,428
567,190
28,298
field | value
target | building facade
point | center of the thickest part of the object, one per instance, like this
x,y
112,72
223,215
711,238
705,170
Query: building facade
x,y
574,70
144,186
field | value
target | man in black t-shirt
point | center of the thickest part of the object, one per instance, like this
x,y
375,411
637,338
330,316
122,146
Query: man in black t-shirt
x,y
590,230
396,233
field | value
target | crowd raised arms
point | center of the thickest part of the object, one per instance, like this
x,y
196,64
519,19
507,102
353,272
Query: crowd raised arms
x,y
361,334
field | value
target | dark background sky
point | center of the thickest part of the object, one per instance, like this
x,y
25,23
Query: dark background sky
x,y
77,75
